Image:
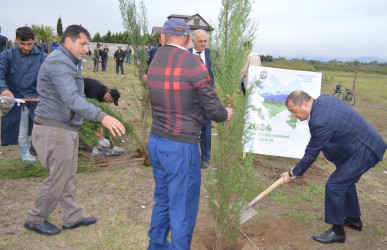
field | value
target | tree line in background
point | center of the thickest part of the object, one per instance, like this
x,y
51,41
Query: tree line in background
x,y
124,38
333,65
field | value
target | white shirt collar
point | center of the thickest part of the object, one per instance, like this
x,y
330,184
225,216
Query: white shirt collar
x,y
194,51
175,45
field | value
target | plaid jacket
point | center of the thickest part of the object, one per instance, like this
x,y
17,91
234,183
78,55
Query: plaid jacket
x,y
339,131
181,95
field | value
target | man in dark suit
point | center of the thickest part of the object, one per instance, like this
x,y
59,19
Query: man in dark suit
x,y
119,56
199,40
349,142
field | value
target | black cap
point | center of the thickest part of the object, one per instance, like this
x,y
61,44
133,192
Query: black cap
x,y
116,95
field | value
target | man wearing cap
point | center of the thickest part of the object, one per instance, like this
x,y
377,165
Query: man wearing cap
x,y
97,57
181,96
95,89
119,56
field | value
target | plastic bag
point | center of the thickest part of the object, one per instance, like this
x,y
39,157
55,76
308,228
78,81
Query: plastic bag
x,y
103,148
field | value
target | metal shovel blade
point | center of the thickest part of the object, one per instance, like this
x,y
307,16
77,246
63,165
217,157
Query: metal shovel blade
x,y
247,215
6,103
250,212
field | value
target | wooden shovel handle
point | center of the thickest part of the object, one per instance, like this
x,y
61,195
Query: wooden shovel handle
x,y
267,191
32,100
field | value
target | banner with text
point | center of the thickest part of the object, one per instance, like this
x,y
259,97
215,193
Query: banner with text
x,y
271,129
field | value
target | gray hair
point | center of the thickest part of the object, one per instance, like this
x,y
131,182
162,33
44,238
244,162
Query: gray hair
x,y
298,97
198,31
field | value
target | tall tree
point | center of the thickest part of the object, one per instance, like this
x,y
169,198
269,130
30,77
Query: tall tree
x,y
59,27
233,184
97,37
135,22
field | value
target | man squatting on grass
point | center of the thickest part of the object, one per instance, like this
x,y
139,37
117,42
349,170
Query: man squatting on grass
x,y
349,142
60,112
180,89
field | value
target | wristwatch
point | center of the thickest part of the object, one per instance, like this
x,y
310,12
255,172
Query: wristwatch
x,y
292,176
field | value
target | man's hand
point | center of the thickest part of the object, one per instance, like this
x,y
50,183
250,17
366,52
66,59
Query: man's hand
x,y
285,178
230,111
145,78
7,93
114,125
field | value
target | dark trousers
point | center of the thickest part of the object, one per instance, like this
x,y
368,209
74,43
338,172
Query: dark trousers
x,y
341,199
177,175
205,141
119,64
104,63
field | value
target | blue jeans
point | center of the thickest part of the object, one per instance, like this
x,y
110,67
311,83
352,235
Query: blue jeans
x,y
23,141
127,58
176,171
205,141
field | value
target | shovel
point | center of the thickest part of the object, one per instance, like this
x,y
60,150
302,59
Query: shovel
x,y
7,102
251,212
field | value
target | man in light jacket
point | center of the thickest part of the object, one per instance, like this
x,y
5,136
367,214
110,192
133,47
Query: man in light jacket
x,y
61,110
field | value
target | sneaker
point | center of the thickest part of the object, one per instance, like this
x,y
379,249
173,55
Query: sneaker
x,y
84,222
122,75
116,74
204,164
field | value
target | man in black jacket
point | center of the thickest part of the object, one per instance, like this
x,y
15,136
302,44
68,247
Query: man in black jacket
x,y
119,56
95,89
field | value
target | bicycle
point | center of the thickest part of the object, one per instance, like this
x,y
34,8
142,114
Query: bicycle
x,y
348,96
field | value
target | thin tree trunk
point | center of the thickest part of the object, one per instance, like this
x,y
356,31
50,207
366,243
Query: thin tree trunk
x,y
354,79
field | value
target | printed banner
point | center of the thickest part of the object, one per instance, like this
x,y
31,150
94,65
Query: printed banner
x,y
271,129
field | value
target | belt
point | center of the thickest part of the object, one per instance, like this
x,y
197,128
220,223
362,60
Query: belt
x,y
37,123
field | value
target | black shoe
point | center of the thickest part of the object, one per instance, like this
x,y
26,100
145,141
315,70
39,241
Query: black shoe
x,y
32,150
204,164
354,224
84,222
329,237
45,228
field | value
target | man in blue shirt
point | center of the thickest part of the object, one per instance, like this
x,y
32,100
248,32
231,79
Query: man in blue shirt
x,y
19,69
54,44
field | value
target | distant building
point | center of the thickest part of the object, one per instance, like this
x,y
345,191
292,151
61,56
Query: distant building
x,y
156,30
195,22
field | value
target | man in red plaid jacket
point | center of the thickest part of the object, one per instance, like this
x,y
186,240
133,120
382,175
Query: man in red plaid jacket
x,y
181,96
